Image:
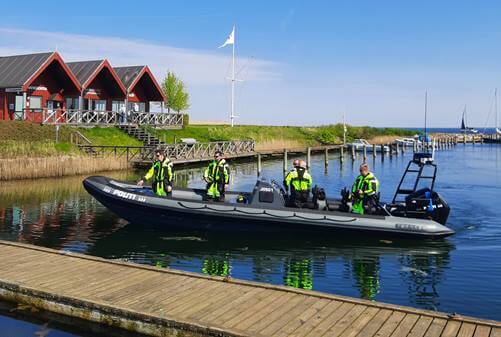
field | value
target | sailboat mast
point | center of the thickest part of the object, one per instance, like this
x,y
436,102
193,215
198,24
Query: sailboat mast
x,y
425,111
496,109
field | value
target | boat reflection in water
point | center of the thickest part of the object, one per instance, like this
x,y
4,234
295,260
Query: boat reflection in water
x,y
337,265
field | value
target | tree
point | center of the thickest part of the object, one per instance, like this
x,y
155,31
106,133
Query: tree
x,y
175,91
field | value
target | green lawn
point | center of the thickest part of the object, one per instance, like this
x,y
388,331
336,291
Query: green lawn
x,y
109,136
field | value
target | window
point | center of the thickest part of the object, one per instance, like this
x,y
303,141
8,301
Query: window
x,y
35,103
72,103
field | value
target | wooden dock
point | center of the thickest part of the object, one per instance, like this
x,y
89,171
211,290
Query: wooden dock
x,y
165,302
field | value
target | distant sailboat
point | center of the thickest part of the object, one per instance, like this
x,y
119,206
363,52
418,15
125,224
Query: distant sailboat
x,y
464,128
498,131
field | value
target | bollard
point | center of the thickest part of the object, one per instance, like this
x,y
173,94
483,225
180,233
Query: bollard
x,y
258,164
365,153
326,157
374,151
341,153
285,162
308,158
353,153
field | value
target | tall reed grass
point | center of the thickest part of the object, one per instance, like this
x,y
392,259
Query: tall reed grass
x,y
58,166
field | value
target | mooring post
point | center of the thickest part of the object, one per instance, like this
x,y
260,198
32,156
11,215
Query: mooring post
x,y
258,164
374,151
473,140
365,153
391,152
326,157
308,158
464,139
414,146
353,153
382,151
403,148
285,162
397,147
341,153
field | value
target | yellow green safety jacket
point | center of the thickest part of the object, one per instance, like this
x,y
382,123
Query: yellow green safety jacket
x,y
162,174
368,184
217,172
299,179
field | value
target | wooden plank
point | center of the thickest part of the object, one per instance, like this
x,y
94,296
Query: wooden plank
x,y
467,330
496,332
316,319
255,293
421,326
482,331
211,289
360,323
300,320
263,309
405,325
376,323
436,327
274,316
172,298
391,324
342,310
300,313
338,328
215,301
451,329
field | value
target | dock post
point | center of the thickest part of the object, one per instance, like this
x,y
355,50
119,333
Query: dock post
x,y
326,157
353,153
382,152
341,153
374,151
414,147
285,162
464,139
258,164
365,153
473,140
308,158
391,152
397,146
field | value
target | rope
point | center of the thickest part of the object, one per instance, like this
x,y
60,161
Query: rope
x,y
294,215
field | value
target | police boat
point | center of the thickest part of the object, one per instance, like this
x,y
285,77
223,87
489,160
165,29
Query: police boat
x,y
415,211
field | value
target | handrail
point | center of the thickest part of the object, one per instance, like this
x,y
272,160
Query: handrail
x,y
179,151
96,117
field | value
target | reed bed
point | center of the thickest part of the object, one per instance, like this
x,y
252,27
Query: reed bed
x,y
276,144
58,166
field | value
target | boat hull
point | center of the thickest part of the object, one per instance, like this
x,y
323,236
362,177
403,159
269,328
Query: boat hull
x,y
203,215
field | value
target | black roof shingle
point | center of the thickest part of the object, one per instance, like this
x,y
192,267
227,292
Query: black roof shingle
x,y
16,70
83,70
128,74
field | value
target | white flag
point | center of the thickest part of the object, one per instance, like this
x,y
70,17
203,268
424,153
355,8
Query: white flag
x,y
230,39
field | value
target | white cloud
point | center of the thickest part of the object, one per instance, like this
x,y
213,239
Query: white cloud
x,y
196,67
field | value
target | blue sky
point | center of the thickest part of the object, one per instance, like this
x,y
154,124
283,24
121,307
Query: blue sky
x,y
302,62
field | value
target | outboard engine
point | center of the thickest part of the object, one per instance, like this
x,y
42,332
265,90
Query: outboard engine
x,y
319,199
267,194
427,204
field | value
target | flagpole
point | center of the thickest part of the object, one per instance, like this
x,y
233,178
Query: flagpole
x,y
232,116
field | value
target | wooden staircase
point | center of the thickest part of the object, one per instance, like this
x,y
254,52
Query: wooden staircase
x,y
142,135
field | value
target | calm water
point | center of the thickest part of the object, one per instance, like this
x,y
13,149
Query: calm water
x,y
459,274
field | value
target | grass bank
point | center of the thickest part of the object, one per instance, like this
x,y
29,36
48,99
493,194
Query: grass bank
x,y
268,137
